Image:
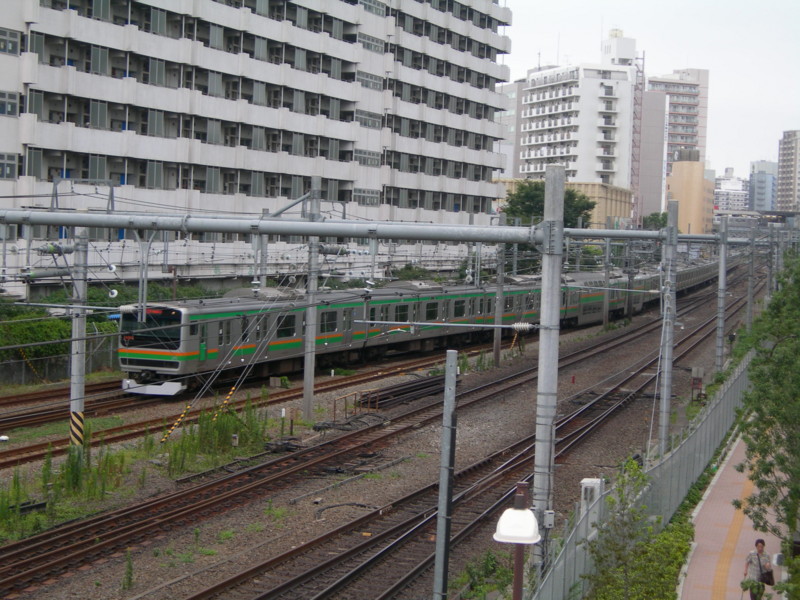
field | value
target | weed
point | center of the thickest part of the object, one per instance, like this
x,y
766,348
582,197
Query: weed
x,y
227,534
276,514
127,578
255,528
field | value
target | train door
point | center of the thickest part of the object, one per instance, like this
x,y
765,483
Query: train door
x,y
347,325
203,342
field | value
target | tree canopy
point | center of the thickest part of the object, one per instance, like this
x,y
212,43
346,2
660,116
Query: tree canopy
x,y
655,221
527,204
771,411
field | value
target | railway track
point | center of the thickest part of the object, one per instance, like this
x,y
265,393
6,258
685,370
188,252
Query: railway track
x,y
381,554
63,548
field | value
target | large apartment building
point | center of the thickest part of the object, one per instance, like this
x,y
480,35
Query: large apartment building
x,y
788,189
231,106
581,116
687,110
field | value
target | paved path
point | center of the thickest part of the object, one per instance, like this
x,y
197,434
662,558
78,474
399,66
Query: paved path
x,y
723,537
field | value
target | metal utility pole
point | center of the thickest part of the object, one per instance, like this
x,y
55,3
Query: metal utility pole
x,y
719,355
629,271
498,299
447,466
750,276
547,385
77,385
607,280
311,297
145,240
670,247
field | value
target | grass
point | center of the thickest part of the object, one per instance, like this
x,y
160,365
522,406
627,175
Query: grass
x,y
31,434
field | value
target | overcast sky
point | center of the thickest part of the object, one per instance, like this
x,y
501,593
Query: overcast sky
x,y
750,48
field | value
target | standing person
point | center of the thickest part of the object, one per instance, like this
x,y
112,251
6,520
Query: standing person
x,y
755,564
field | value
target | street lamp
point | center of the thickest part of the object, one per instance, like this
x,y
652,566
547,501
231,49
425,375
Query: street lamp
x,y
518,526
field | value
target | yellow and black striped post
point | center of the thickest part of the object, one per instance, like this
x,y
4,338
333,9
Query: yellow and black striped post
x,y
177,422
76,428
224,403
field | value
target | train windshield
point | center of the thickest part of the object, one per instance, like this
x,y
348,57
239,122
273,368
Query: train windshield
x,y
161,329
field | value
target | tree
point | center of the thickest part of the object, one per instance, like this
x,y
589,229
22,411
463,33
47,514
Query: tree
x,y
771,411
655,221
623,536
527,203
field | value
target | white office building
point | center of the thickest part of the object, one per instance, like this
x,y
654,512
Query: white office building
x,y
221,107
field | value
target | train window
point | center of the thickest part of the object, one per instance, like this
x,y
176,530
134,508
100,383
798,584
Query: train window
x,y
286,326
193,329
227,332
245,330
347,319
509,303
220,335
459,308
327,321
401,312
384,313
373,315
431,311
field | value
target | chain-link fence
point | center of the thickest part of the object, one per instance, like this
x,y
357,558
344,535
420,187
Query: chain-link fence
x,y
670,480
100,356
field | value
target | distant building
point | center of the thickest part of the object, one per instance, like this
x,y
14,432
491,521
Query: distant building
x,y
510,120
788,194
763,185
731,193
581,116
687,123
653,157
694,192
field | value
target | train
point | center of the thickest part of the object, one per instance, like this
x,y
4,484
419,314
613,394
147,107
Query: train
x,y
180,345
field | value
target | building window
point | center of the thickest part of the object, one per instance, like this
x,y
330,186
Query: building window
x,y
8,166
213,180
9,41
369,119
374,7
99,61
155,123
97,167
156,74
371,43
154,178
366,197
367,158
98,115
33,164
9,104
368,80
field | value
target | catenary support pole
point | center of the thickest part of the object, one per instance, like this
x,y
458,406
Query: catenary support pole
x,y
77,375
719,354
499,303
447,466
607,280
547,384
145,240
668,267
750,278
309,366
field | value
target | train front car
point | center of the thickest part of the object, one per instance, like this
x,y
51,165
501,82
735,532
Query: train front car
x,y
150,351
